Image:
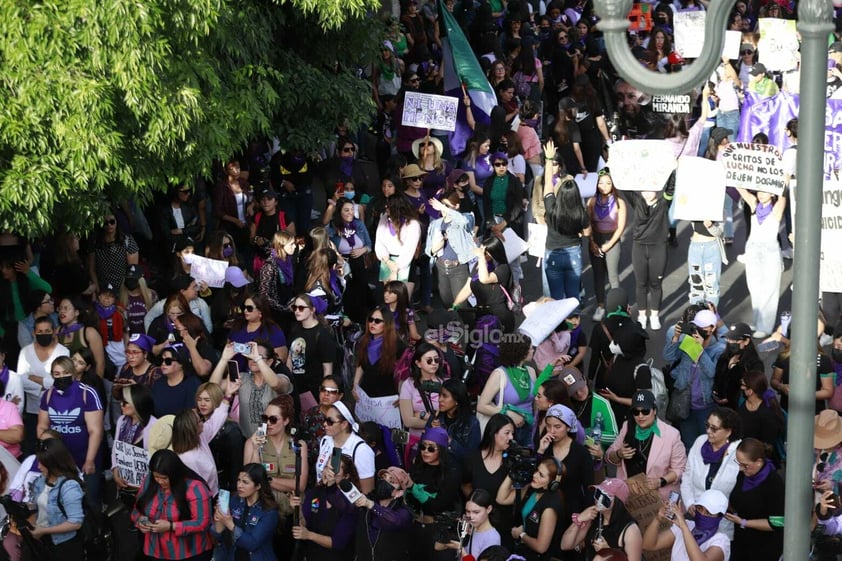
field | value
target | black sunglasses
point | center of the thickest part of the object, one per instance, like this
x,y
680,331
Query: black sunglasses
x,y
432,360
376,321
428,448
249,307
330,422
500,164
639,412
111,221
169,360
299,308
746,52
349,149
271,419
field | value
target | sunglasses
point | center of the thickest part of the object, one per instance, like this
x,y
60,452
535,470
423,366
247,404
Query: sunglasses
x,y
296,308
712,428
249,307
641,412
111,221
432,360
822,461
376,321
168,360
325,389
348,149
428,448
330,422
271,419
747,52
500,164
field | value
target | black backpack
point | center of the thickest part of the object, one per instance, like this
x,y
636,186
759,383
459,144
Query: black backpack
x,y
95,533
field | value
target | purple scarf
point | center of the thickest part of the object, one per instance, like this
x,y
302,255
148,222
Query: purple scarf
x,y
488,264
129,430
284,266
375,348
604,209
705,527
69,329
752,481
4,375
392,230
334,284
346,166
349,233
105,312
762,211
709,456
768,396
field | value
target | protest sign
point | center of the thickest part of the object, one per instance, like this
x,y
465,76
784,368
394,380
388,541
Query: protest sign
x,y
641,165
430,111
514,244
778,45
546,317
830,260
203,269
689,33
643,505
133,462
699,189
670,104
381,410
537,239
757,167
733,42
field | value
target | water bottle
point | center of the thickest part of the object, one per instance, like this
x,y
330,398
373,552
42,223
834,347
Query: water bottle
x,y
596,430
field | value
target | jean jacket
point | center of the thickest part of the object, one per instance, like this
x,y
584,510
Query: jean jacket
x,y
682,372
458,235
71,500
255,536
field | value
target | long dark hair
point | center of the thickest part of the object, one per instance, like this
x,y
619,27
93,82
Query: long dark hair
x,y
495,423
338,223
568,214
142,401
494,247
388,356
257,474
167,463
756,381
459,391
401,313
420,350
261,303
53,454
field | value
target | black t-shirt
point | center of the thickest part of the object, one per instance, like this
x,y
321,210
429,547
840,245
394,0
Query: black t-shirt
x,y
490,295
568,155
557,239
378,384
308,350
532,522
267,227
823,366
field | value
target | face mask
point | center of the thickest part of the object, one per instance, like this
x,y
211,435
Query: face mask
x,y
733,347
132,284
227,252
61,384
836,355
349,195
44,339
382,490
706,526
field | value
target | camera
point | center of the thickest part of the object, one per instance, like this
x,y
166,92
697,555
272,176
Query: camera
x,y
520,463
446,527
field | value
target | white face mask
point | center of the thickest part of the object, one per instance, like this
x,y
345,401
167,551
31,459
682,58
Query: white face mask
x,y
615,348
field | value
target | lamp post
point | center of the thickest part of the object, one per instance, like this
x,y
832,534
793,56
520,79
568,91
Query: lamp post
x,y
815,22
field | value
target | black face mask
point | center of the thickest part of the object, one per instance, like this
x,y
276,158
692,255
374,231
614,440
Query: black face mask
x,y
383,490
836,355
733,347
61,384
44,339
132,284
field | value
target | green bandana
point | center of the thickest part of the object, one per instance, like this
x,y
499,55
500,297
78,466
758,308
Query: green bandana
x,y
519,377
618,312
643,434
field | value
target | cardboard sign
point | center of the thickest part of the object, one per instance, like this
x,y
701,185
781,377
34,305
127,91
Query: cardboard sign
x,y
211,271
381,410
689,33
545,318
643,505
132,461
757,167
699,189
641,165
778,45
430,111
670,104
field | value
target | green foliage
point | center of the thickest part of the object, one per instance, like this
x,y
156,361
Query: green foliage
x,y
108,99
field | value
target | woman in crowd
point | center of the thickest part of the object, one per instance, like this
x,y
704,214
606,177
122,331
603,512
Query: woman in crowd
x,y
184,216
112,254
827,442
173,511
825,378
11,423
383,525
435,490
70,277
246,527
740,356
233,205
698,538
509,387
341,431
760,414
74,334
607,213
378,350
605,526
450,242
712,461
491,284
350,236
133,427
41,304
190,332
568,139
660,47
58,495
328,521
590,409
138,369
376,206
331,390
477,164
543,512
176,388
429,151
257,323
419,394
456,416
312,348
137,299
482,534
762,258
635,451
548,393
758,496
275,449
162,328
268,221
277,274
226,445
502,199
559,442
398,235
396,297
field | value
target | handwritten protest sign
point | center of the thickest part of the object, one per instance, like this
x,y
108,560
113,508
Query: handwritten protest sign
x,y
211,271
733,42
132,461
537,239
670,104
778,45
513,244
430,111
830,263
689,33
643,505
641,165
381,410
699,189
546,317
754,166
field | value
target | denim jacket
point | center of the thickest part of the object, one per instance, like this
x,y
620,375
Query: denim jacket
x,y
682,372
458,234
71,499
360,228
254,537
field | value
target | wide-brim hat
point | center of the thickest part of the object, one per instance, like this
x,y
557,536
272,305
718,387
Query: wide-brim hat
x,y
828,430
412,170
416,146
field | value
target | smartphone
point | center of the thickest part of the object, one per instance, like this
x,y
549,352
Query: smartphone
x,y
340,188
233,370
224,500
242,348
336,459
601,500
833,501
672,502
261,430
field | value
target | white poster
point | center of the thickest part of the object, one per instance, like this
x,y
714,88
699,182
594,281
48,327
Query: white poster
x,y
537,239
641,165
133,462
211,271
429,111
830,263
699,189
381,410
757,167
689,33
514,244
545,318
733,42
778,45
587,185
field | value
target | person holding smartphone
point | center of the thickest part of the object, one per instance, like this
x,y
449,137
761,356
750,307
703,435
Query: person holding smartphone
x,y
699,538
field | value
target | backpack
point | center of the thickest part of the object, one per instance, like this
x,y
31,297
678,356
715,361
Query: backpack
x,y
96,536
659,386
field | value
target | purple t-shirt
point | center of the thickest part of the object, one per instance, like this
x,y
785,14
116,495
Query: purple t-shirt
x,y
273,334
66,411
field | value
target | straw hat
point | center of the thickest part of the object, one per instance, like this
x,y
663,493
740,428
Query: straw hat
x,y
828,430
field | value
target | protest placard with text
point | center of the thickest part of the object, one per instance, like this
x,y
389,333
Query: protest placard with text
x,y
689,33
778,45
757,167
132,461
641,165
429,111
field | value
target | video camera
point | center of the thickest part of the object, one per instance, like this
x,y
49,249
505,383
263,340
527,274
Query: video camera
x,y
520,463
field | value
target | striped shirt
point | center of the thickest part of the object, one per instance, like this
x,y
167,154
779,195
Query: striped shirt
x,y
191,535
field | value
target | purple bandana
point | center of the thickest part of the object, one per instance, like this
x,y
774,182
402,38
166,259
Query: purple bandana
x,y
763,211
604,209
69,329
752,481
375,348
348,232
346,166
105,312
705,528
709,456
4,375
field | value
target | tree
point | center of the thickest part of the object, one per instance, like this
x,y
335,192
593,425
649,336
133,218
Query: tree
x,y
107,100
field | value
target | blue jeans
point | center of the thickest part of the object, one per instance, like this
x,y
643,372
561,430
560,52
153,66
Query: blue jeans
x,y
694,426
704,267
729,120
728,216
563,271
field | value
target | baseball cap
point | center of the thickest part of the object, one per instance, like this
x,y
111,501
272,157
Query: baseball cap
x,y
718,134
643,399
614,487
704,318
738,331
235,277
757,69
714,501
572,378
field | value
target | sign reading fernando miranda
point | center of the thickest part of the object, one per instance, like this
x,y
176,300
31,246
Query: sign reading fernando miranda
x,y
671,103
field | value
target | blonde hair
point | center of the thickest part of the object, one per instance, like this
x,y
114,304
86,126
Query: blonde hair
x,y
279,240
145,291
320,238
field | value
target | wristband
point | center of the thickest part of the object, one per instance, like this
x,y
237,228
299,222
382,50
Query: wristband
x,y
663,482
520,537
